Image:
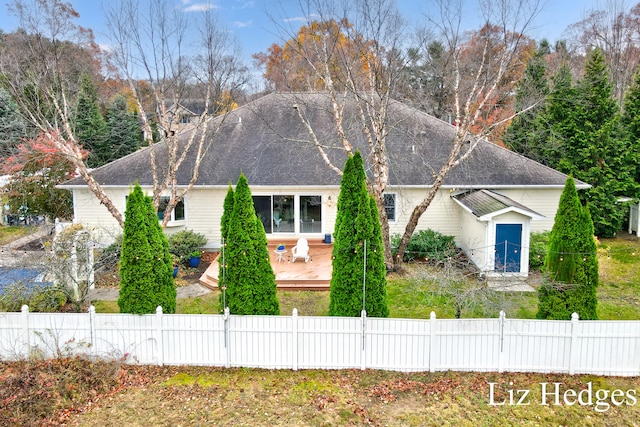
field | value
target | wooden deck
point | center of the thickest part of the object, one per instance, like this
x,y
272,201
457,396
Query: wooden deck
x,y
314,275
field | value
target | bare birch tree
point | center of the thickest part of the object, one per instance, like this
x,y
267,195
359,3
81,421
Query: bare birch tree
x,y
157,48
40,66
353,51
483,80
376,32
616,32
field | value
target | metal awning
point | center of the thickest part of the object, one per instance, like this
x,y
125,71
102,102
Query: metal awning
x,y
486,204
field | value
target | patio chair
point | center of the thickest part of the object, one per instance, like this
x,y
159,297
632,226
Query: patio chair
x,y
277,220
300,250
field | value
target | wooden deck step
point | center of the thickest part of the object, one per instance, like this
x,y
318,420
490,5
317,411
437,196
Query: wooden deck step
x,y
314,275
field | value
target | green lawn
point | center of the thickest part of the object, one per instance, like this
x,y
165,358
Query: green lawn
x,y
418,290
10,233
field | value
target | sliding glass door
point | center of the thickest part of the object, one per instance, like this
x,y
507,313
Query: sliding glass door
x,y
290,214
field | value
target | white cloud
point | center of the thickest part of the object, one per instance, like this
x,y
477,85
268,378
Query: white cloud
x,y
296,19
199,7
243,24
305,19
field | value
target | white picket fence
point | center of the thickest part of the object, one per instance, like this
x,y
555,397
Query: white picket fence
x,y
299,342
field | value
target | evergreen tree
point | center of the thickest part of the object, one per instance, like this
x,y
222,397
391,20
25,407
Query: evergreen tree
x,y
12,126
357,221
557,119
264,287
526,135
146,270
631,123
598,152
224,233
164,293
586,139
370,231
251,283
571,262
124,135
91,129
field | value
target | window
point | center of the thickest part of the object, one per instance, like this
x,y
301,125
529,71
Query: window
x,y
178,212
310,214
390,206
185,119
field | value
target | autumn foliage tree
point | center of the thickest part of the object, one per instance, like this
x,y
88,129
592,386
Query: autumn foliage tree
x,y
294,65
489,41
35,169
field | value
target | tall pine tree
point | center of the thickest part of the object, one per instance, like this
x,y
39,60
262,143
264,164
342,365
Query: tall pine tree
x,y
525,134
13,128
356,222
124,135
91,128
250,280
146,268
596,150
631,124
571,262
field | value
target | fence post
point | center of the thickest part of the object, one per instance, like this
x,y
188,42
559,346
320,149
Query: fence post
x,y
432,341
363,353
92,330
26,337
294,339
159,343
501,354
227,362
573,348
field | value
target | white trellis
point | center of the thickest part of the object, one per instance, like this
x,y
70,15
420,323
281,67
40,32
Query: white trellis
x,y
76,259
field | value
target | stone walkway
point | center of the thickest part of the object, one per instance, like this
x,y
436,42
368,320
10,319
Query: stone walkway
x,y
111,294
10,255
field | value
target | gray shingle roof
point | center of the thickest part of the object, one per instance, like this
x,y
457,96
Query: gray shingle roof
x,y
267,141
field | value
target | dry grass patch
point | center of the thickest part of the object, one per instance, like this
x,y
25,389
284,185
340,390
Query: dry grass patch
x,y
257,397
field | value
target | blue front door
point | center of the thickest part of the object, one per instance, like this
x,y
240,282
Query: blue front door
x,y
508,247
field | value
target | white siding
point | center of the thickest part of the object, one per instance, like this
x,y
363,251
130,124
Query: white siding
x,y
543,201
203,210
442,215
473,239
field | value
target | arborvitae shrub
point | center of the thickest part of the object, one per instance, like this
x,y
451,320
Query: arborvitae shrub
x,y
146,266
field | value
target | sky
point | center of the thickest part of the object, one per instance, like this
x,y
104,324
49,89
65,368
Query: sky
x,y
250,20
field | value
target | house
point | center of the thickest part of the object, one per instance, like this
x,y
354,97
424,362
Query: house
x,y
491,202
182,114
